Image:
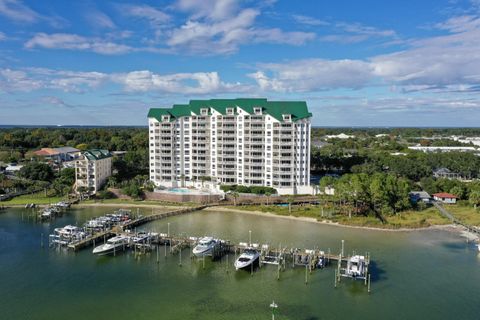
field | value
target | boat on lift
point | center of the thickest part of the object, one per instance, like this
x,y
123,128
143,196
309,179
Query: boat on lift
x,y
205,247
356,267
112,245
249,257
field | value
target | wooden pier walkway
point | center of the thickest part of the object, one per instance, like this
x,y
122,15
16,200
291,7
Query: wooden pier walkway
x,y
452,218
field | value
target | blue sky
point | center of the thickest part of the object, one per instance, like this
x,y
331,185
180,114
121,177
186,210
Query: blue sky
x,y
356,63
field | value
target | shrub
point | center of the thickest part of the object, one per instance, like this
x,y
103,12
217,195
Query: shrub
x,y
105,194
245,189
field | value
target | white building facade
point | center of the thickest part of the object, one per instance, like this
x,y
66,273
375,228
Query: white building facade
x,y
251,142
92,170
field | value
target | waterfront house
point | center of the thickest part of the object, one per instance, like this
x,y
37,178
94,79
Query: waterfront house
x,y
13,169
416,196
445,197
92,169
445,173
248,142
58,154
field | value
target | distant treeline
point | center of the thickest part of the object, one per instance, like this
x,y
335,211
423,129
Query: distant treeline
x,y
403,132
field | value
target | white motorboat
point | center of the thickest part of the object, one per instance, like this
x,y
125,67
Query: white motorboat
x,y
67,231
112,245
205,247
478,246
356,267
247,258
143,237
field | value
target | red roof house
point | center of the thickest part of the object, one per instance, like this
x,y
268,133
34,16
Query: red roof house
x,y
445,197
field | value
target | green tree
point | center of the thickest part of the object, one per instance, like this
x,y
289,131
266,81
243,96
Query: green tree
x,y
235,195
458,191
82,146
36,171
474,198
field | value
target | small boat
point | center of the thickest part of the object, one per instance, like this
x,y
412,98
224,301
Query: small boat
x,y
143,236
67,231
113,245
356,267
478,247
247,258
205,247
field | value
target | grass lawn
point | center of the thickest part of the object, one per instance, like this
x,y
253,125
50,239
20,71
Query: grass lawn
x,y
37,198
466,214
407,219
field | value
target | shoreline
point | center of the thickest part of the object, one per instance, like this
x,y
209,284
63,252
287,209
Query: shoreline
x,y
447,227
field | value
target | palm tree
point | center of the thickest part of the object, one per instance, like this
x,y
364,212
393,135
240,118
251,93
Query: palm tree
x,y
182,178
235,195
290,200
268,195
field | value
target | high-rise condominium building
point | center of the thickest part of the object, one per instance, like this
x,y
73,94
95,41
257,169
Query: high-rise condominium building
x,y
92,170
251,142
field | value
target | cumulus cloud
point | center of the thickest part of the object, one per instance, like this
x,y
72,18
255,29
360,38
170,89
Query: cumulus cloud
x,y
313,75
222,29
76,42
450,62
180,83
32,79
443,60
17,80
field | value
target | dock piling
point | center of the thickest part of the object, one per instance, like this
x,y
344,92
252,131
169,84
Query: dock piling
x,y
368,283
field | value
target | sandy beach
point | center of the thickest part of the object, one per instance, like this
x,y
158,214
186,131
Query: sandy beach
x,y
448,227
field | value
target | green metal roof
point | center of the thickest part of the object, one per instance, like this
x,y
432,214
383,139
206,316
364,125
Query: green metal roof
x,y
97,154
297,109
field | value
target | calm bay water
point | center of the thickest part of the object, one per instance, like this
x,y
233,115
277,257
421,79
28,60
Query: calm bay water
x,y
416,275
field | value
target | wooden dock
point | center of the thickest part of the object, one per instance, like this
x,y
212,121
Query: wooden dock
x,y
102,235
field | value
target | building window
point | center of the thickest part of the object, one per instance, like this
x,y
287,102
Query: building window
x,y
229,111
165,118
287,117
257,110
203,111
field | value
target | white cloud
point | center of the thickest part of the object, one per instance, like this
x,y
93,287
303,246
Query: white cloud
x,y
16,80
155,16
32,79
214,34
359,28
15,10
2,36
76,42
100,19
443,60
310,21
180,83
216,10
445,63
347,33
313,75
